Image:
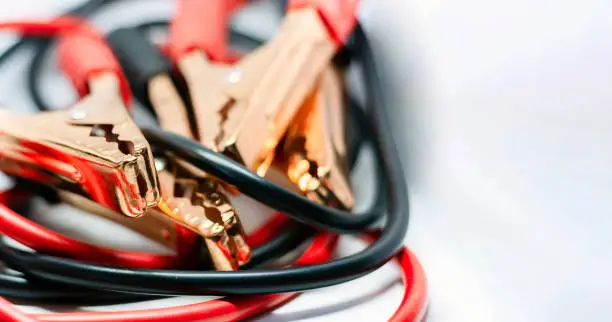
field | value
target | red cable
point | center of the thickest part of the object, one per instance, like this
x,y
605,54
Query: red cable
x,y
10,313
414,303
227,309
46,241
268,230
81,172
53,165
412,308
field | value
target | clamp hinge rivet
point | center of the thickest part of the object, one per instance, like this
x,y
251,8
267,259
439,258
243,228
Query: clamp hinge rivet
x,y
234,76
78,114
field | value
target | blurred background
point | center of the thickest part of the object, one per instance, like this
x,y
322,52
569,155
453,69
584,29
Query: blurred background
x,y
502,111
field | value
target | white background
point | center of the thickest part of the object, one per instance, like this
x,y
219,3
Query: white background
x,y
503,114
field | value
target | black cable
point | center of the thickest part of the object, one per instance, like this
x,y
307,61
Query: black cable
x,y
263,190
256,281
19,287
358,132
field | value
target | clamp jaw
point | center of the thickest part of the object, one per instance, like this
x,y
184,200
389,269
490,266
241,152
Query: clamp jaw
x,y
314,150
197,204
243,110
96,142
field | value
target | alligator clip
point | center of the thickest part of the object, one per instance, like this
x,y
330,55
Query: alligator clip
x,y
96,137
314,150
243,110
190,197
115,172
197,204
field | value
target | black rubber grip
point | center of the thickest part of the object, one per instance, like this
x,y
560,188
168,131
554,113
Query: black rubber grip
x,y
139,58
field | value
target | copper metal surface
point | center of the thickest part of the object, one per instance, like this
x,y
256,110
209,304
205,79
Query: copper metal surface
x,y
168,105
98,138
195,203
315,145
243,110
190,197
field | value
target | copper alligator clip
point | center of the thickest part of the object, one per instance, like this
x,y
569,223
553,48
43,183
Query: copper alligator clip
x,y
243,110
96,136
189,196
197,204
314,150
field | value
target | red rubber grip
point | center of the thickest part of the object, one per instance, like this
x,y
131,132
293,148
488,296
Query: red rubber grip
x,y
84,54
199,24
340,16
82,50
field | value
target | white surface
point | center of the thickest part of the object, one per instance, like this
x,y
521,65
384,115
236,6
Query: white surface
x,y
504,115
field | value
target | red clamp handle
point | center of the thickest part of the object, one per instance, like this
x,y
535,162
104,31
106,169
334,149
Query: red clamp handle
x,y
82,50
199,24
339,16
83,54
